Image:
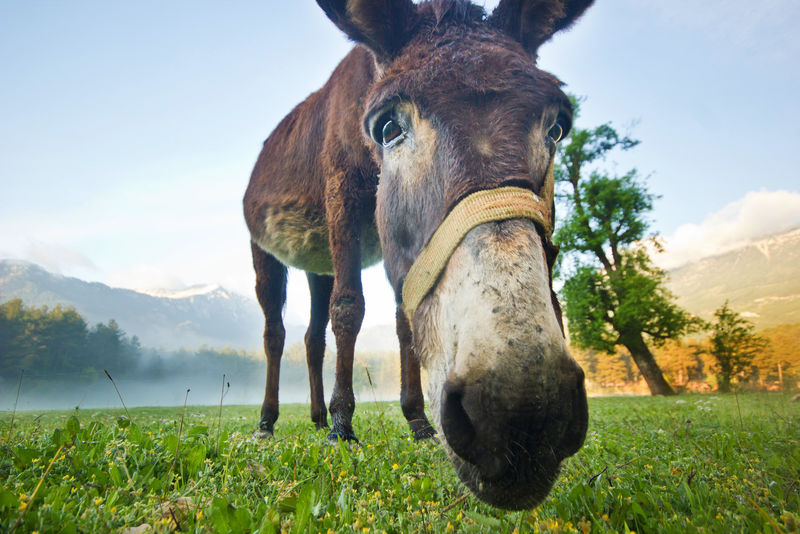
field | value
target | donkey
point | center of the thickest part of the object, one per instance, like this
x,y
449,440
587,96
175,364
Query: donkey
x,y
432,145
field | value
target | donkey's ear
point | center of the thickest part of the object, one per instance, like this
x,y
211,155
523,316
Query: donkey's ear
x,y
532,22
384,26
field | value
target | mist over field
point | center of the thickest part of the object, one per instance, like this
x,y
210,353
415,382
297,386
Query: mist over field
x,y
205,388
148,377
203,391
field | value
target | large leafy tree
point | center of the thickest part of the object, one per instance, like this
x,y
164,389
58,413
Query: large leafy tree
x,y
733,345
614,294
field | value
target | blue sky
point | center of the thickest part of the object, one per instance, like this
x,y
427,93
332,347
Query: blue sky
x,y
128,129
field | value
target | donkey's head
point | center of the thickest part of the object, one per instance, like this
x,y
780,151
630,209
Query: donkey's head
x,y
460,107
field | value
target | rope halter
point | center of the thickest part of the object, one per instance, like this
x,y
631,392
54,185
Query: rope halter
x,y
484,206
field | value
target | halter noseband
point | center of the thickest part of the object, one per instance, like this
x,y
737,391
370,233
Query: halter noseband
x,y
484,206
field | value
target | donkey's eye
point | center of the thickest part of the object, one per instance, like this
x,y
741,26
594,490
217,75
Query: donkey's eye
x,y
391,133
388,126
555,133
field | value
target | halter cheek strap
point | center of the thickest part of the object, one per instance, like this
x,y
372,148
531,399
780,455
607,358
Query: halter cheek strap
x,y
478,208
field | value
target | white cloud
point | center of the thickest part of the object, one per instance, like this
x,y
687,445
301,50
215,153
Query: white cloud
x,y
57,258
756,215
145,276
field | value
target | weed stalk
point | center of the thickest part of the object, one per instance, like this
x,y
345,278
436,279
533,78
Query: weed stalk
x,y
35,491
14,413
768,517
118,394
180,427
219,416
738,409
177,445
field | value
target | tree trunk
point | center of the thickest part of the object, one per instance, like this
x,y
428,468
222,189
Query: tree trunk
x,y
647,365
724,383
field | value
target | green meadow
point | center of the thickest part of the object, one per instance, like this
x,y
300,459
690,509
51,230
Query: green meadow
x,y
693,463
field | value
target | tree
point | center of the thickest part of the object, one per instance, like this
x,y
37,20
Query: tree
x,y
681,363
780,364
733,345
105,347
62,332
613,292
14,344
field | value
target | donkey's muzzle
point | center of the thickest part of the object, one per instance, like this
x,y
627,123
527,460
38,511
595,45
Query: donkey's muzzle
x,y
510,455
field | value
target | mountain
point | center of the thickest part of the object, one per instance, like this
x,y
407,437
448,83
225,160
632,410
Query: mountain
x,y
760,280
200,315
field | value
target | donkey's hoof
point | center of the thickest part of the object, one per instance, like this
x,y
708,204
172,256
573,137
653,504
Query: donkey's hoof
x,y
424,432
264,431
347,436
421,428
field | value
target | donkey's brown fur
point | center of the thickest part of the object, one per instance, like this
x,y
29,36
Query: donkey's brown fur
x,y
465,90
314,185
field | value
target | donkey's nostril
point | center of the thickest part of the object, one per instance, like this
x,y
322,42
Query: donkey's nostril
x,y
462,435
456,423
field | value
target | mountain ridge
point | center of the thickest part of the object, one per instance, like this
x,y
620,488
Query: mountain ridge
x,y
760,280
215,318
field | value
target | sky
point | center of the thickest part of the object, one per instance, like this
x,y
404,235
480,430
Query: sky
x,y
128,130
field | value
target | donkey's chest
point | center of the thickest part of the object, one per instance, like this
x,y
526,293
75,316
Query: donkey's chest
x,y
298,236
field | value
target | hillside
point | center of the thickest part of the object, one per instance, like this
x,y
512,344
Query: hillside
x,y
761,281
202,315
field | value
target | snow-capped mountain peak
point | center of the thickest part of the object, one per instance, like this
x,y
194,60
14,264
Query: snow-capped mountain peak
x,y
192,291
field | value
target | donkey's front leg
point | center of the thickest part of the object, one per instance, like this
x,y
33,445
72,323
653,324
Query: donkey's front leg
x,y
347,300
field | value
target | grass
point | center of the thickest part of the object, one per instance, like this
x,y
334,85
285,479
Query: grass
x,y
685,464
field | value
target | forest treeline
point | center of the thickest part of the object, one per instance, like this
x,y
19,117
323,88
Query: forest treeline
x,y
57,346
688,368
